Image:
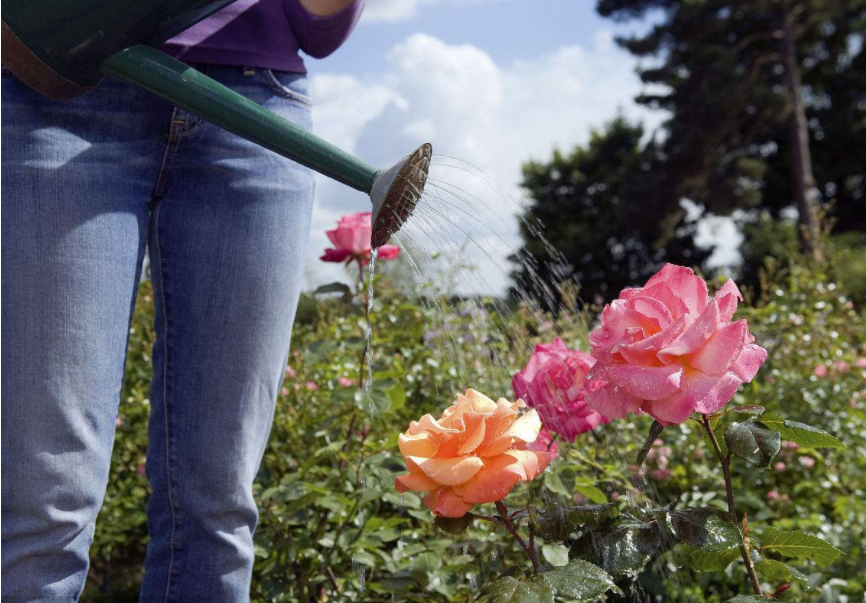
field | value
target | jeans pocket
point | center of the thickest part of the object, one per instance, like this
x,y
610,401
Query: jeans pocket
x,y
280,89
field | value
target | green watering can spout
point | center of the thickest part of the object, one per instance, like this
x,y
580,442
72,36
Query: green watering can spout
x,y
50,60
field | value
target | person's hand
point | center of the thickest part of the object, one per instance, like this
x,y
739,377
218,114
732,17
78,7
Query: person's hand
x,y
324,8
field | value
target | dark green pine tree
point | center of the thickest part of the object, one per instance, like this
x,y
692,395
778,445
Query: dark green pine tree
x,y
766,103
603,224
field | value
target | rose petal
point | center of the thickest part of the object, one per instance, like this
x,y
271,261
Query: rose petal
x,y
473,440
685,285
694,335
530,463
647,382
727,297
420,444
525,428
451,471
491,483
721,350
445,503
612,401
749,361
417,482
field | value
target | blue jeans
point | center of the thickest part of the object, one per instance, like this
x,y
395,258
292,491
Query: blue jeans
x,y
90,184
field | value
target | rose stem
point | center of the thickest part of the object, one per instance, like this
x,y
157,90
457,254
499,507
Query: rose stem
x,y
729,490
509,525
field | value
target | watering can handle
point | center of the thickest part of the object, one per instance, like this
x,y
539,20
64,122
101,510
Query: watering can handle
x,y
147,68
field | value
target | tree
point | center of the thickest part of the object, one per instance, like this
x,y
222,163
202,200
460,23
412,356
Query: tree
x,y
740,78
595,218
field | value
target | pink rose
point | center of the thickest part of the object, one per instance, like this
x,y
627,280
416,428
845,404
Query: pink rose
x,y
662,474
118,421
667,349
779,466
311,385
841,366
860,363
351,240
820,371
345,381
554,383
290,372
544,443
772,495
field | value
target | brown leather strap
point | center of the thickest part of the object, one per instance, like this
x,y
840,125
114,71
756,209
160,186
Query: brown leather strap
x,y
21,61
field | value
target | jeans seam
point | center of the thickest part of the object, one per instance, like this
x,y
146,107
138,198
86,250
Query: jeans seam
x,y
167,157
165,402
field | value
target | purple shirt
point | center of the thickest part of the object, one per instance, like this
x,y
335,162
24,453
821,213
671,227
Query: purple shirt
x,y
264,33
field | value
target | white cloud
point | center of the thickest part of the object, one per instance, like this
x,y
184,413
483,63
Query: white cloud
x,y
493,116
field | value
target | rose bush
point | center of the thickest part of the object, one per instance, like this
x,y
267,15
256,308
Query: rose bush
x,y
333,527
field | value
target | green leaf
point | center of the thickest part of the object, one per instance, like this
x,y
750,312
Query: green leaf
x,y
655,430
454,525
708,561
776,571
553,482
753,443
747,599
393,390
374,402
557,522
799,545
592,493
580,580
555,554
625,549
748,409
802,434
705,528
511,590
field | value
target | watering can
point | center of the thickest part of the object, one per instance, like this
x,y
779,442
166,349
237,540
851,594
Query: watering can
x,y
60,48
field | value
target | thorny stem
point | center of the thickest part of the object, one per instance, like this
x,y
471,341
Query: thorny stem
x,y
729,490
509,525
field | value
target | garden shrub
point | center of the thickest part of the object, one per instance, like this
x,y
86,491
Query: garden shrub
x,y
333,526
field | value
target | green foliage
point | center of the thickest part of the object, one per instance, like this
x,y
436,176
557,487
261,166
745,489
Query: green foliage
x,y
753,443
799,545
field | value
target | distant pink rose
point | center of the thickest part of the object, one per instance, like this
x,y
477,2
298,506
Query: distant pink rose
x,y
807,461
860,363
352,238
820,371
792,445
284,391
662,474
311,385
669,350
554,383
118,421
772,495
841,366
779,466
142,466
544,443
345,381
290,372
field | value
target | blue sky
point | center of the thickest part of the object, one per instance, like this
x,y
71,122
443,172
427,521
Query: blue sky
x,y
505,29
492,82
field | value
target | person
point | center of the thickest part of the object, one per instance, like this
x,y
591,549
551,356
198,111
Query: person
x,y
90,184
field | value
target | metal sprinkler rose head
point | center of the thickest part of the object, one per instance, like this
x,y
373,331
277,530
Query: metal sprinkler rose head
x,y
396,191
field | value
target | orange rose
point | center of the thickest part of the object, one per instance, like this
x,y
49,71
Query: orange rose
x,y
475,453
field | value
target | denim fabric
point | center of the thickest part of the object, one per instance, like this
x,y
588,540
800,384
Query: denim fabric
x,y
89,185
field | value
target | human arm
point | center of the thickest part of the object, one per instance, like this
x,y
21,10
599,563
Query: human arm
x,y
321,26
